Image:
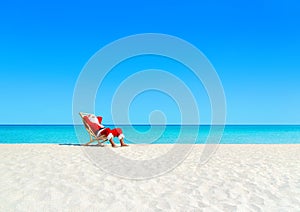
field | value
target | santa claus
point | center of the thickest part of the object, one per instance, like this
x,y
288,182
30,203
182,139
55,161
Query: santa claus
x,y
96,125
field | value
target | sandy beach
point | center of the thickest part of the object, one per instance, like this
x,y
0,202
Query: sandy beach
x,y
50,177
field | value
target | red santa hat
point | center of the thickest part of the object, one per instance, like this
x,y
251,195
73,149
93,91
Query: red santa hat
x,y
99,119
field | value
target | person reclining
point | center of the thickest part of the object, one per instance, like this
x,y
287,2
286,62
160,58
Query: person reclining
x,y
96,125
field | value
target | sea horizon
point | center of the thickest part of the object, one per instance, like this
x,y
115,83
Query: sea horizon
x,y
153,124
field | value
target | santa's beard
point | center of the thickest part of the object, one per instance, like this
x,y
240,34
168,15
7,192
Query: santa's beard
x,y
94,119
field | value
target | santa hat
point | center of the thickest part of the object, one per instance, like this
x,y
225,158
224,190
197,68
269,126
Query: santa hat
x,y
99,119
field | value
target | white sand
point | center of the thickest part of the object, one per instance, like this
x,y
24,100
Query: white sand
x,y
236,178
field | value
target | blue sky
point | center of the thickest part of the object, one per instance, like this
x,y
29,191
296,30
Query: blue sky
x,y
253,45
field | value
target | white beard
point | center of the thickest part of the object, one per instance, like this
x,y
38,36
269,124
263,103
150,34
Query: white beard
x,y
94,119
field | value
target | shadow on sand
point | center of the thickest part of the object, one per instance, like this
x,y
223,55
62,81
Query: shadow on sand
x,y
94,145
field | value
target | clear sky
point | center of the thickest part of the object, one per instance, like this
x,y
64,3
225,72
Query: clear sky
x,y
253,45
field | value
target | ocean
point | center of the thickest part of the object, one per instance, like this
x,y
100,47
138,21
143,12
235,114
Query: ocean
x,y
233,134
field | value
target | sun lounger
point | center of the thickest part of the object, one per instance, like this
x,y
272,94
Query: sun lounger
x,y
93,137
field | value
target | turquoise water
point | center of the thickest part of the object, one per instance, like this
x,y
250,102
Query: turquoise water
x,y
233,134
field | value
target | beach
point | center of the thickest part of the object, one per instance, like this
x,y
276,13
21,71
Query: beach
x,y
238,177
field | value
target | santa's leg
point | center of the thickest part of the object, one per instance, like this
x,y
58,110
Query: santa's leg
x,y
117,132
108,133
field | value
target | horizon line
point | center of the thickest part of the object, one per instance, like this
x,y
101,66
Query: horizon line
x,y
205,124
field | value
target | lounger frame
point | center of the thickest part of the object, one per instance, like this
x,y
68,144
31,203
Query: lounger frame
x,y
101,139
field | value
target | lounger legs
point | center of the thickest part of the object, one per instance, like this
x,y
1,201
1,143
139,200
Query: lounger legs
x,y
88,143
91,141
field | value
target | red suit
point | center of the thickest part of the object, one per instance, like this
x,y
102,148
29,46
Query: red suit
x,y
95,124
